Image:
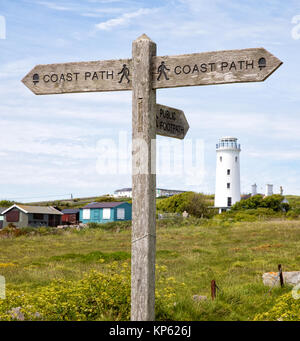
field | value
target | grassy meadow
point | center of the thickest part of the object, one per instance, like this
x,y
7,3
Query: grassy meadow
x,y
194,252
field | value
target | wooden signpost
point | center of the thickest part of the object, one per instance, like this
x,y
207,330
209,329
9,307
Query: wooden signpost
x,y
143,74
220,67
107,75
171,122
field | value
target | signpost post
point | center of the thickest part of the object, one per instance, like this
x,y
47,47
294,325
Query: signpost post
x,y
143,239
143,74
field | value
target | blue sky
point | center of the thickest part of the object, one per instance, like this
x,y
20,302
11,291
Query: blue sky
x,y
50,144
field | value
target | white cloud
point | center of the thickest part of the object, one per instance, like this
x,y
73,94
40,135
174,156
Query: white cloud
x,y
123,19
100,12
55,6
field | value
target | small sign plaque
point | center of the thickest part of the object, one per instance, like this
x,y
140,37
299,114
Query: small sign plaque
x,y
171,122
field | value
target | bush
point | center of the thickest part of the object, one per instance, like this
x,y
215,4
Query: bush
x,y
111,226
12,231
286,308
6,203
98,296
293,214
105,198
195,204
273,202
260,213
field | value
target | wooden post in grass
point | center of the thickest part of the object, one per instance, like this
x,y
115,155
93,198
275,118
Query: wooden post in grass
x,y
280,275
213,289
143,182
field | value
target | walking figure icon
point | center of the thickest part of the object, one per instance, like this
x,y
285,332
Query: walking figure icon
x,y
125,73
162,70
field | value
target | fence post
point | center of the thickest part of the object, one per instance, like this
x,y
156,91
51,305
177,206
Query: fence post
x,y
280,275
213,289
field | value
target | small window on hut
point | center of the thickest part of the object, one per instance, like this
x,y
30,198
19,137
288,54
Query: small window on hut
x,y
86,214
38,216
106,213
121,213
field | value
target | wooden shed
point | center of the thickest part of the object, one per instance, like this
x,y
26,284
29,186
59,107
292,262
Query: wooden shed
x,y
35,216
70,216
104,212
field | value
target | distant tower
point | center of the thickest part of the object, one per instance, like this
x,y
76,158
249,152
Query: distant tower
x,y
227,173
269,190
254,190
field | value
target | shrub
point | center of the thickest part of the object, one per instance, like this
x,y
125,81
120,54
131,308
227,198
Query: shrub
x,y
260,213
28,231
293,214
111,226
286,308
97,296
105,198
273,202
6,203
195,204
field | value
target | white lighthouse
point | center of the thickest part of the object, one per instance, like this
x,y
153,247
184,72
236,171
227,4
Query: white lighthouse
x,y
228,190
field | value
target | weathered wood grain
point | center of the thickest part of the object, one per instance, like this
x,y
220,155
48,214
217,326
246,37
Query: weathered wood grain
x,y
217,67
143,183
80,77
171,122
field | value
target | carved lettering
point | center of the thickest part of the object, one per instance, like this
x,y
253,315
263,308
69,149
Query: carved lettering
x,y
224,65
46,78
95,76
54,77
203,67
109,74
212,66
177,70
232,65
69,77
249,64
195,69
186,69
241,64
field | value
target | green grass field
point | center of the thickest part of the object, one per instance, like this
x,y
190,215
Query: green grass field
x,y
195,253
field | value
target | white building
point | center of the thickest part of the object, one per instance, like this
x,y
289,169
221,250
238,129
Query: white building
x,y
228,190
160,192
269,190
253,190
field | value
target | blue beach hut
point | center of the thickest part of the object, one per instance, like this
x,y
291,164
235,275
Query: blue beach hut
x,y
104,212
